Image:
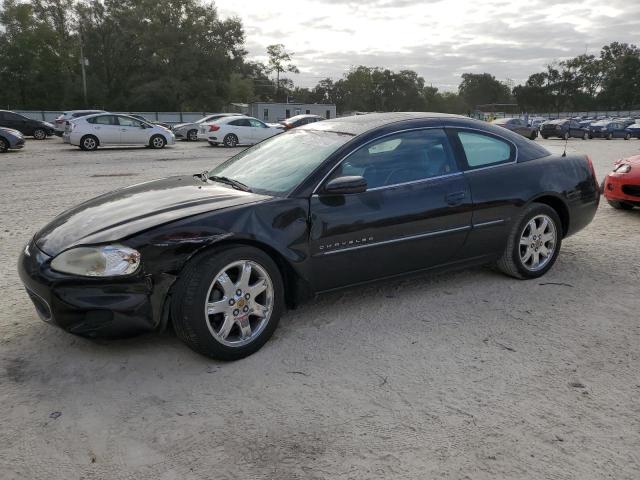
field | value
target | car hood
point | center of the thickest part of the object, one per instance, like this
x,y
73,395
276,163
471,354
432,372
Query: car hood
x,y
130,210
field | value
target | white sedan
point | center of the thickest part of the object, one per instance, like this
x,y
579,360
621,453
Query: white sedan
x,y
102,129
238,130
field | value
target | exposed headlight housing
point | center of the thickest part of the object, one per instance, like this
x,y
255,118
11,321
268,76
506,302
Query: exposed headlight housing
x,y
622,168
99,261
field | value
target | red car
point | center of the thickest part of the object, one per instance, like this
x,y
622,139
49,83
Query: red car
x,y
621,187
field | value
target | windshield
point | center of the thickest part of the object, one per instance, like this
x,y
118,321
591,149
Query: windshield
x,y
278,165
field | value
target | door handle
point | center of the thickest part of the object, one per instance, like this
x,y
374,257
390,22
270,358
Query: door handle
x,y
455,198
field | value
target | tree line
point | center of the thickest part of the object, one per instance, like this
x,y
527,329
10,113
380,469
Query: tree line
x,y
179,55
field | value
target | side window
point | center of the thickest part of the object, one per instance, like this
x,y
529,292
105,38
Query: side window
x,y
13,117
241,122
129,122
103,120
401,158
256,123
482,150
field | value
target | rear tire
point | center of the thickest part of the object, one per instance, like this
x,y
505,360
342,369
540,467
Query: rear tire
x,y
89,143
524,240
157,142
39,134
192,135
209,283
4,145
627,136
619,205
230,140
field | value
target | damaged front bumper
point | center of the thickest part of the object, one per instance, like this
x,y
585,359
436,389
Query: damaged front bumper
x,y
94,307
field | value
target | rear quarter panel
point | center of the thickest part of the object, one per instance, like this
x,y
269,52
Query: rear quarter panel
x,y
500,193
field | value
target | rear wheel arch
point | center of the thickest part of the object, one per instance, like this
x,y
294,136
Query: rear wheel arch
x,y
559,206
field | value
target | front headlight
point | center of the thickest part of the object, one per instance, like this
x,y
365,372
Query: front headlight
x,y
100,261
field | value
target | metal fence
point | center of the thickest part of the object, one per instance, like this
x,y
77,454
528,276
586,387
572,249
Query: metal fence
x,y
553,115
165,117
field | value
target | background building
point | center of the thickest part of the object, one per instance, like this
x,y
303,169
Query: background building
x,y
276,112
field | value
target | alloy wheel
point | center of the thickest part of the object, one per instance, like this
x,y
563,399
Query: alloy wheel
x,y
39,134
537,243
89,143
230,141
158,142
4,146
239,303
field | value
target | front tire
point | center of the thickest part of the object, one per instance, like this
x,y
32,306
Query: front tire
x,y
39,134
4,145
533,135
230,140
533,244
89,143
619,205
228,302
157,142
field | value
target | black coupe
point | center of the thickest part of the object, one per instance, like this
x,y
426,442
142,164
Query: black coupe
x,y
222,253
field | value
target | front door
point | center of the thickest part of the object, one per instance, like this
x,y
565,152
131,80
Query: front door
x,y
415,213
259,131
132,131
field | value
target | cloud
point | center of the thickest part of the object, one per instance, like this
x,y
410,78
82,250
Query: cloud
x,y
440,39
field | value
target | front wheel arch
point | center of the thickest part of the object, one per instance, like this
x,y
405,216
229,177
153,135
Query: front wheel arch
x,y
296,289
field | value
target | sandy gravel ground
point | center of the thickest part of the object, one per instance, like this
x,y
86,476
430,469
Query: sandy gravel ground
x,y
468,375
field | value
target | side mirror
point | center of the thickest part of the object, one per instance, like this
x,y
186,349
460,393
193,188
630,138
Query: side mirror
x,y
345,185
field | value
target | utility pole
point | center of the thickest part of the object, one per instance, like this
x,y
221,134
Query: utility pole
x,y
83,62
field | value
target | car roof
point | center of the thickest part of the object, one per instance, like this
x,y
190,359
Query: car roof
x,y
358,124
304,115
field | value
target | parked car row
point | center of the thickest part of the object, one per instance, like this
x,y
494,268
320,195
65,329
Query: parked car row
x,y
26,126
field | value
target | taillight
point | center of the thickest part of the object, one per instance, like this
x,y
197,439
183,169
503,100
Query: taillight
x,y
288,126
214,128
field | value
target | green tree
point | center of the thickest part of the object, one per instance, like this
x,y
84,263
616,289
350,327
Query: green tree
x,y
279,62
482,88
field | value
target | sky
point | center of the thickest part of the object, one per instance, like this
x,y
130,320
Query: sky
x,y
440,39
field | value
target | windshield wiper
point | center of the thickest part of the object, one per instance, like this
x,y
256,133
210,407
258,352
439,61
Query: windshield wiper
x,y
229,181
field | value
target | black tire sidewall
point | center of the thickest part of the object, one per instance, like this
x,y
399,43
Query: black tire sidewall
x,y
187,307
230,135
82,146
44,134
4,145
164,142
534,210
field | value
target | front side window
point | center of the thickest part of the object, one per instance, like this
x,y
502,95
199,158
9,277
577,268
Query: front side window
x,y
401,158
256,123
129,122
483,150
279,164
